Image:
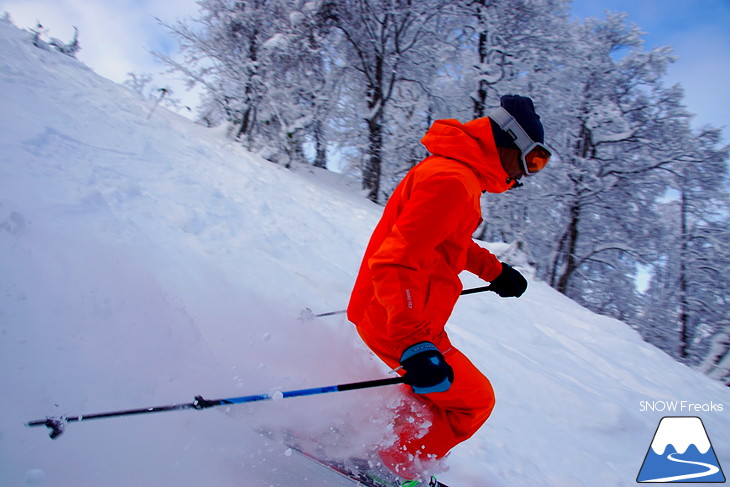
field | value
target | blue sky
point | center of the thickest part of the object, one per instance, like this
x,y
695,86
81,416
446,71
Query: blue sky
x,y
117,35
699,32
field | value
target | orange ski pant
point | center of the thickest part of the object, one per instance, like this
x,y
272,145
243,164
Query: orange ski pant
x,y
455,415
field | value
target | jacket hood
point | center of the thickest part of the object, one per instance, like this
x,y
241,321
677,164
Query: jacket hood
x,y
473,144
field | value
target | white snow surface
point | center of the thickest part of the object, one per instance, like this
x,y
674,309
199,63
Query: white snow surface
x,y
144,262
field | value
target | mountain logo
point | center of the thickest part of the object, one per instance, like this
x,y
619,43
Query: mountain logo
x,y
681,452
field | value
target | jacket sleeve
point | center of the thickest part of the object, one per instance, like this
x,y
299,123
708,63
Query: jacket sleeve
x,y
482,262
397,266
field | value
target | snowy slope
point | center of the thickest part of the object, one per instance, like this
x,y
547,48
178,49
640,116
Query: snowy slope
x,y
143,262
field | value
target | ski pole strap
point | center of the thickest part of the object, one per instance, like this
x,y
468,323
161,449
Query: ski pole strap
x,y
57,424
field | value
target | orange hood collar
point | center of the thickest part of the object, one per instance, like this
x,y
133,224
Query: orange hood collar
x,y
473,144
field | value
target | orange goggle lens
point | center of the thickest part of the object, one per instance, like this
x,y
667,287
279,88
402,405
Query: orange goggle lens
x,y
537,159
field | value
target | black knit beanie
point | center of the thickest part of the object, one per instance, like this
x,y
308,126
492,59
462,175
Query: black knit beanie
x,y
522,108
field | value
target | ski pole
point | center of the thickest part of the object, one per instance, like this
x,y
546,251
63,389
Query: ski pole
x,y
57,424
308,314
476,290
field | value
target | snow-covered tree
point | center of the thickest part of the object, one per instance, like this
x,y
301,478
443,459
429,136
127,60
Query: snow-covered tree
x,y
306,81
143,84
263,66
688,293
387,46
605,167
222,50
39,32
68,48
505,41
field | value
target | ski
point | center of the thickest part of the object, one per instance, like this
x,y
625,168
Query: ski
x,y
359,478
338,468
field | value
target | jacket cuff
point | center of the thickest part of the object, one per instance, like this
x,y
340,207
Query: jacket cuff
x,y
416,349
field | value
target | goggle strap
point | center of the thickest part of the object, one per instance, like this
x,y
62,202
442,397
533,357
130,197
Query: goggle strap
x,y
509,124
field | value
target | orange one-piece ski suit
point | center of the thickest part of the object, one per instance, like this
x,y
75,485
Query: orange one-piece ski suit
x,y
409,281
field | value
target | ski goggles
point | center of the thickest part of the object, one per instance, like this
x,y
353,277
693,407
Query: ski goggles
x,y
534,155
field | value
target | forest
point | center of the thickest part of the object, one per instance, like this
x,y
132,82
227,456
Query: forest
x,y
630,219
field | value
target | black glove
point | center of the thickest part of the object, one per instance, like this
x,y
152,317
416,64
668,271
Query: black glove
x,y
509,284
426,369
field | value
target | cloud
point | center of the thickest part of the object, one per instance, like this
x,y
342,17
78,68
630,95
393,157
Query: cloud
x,y
115,37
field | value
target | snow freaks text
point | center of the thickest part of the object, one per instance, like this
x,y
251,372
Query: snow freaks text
x,y
687,407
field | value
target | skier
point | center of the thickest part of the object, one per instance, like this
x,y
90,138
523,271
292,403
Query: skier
x,y
408,282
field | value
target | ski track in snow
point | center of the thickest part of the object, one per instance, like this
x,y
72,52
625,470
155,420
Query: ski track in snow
x,y
143,262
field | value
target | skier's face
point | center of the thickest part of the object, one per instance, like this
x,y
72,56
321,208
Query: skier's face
x,y
510,159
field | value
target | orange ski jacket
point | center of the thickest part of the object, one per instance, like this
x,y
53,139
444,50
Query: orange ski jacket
x,y
408,282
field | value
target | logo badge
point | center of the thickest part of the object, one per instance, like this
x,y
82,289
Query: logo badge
x,y
681,452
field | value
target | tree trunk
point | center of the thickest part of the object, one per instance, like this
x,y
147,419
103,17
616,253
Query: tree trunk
x,y
480,98
244,124
684,313
571,242
373,165
376,105
320,158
